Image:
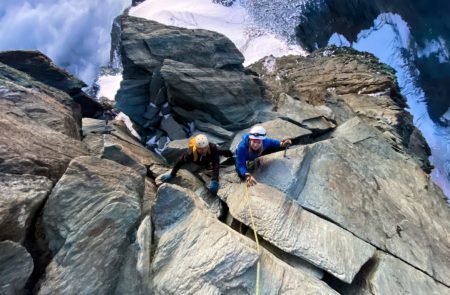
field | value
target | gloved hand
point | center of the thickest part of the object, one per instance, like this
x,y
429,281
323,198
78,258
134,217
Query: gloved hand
x,y
285,143
166,177
213,186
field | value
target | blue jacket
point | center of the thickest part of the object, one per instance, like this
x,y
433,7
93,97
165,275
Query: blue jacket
x,y
244,154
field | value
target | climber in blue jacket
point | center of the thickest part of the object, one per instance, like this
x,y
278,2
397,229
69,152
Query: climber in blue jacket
x,y
253,145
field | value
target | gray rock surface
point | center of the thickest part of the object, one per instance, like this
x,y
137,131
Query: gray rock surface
x,y
113,151
173,129
286,225
88,219
35,102
315,118
20,199
16,266
96,126
197,254
393,204
146,44
40,126
118,145
389,275
42,69
213,129
231,98
135,276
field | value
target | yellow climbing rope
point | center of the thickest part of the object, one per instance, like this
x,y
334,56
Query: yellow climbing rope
x,y
256,237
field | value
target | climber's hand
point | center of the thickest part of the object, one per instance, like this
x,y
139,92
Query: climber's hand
x,y
250,179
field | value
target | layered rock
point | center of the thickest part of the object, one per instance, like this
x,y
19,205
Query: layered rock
x,y
88,219
387,275
42,69
40,127
389,204
317,119
197,72
16,266
287,226
228,98
197,254
112,140
21,198
351,84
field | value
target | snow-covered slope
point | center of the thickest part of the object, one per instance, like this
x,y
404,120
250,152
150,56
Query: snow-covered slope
x,y
233,21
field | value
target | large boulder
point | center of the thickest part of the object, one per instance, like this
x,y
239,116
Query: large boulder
x,y
228,98
392,204
112,140
42,69
40,127
27,98
16,266
196,253
88,220
316,118
286,225
198,72
21,198
146,44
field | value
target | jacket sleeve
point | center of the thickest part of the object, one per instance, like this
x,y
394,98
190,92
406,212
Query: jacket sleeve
x,y
241,159
186,156
272,143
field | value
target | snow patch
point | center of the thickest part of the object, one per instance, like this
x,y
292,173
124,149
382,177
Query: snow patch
x,y
108,86
124,118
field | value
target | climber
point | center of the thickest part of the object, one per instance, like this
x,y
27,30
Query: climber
x,y
206,154
253,145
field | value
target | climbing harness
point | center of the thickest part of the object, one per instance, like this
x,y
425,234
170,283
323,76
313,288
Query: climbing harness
x,y
256,238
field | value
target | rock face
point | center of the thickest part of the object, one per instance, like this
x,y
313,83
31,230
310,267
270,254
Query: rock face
x,y
350,83
40,127
228,98
197,72
16,266
317,119
197,254
286,225
42,69
87,219
388,204
21,197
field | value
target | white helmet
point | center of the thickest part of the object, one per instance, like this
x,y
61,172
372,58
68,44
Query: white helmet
x,y
257,132
201,141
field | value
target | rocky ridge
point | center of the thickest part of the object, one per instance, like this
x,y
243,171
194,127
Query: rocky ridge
x,y
349,208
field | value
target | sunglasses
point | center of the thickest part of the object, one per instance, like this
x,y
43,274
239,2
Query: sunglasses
x,y
257,134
